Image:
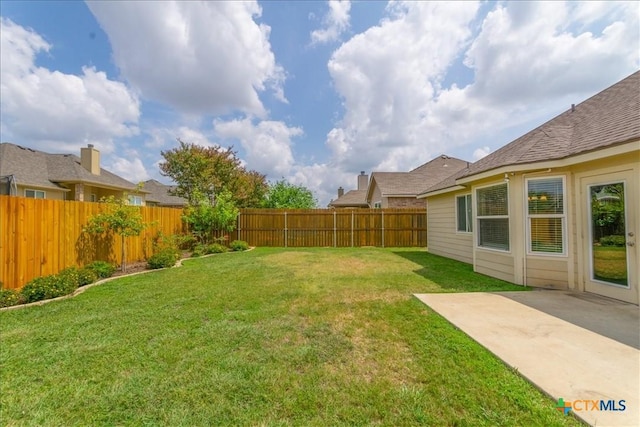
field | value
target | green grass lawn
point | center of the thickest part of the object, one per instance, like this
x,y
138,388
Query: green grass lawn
x,y
274,337
610,264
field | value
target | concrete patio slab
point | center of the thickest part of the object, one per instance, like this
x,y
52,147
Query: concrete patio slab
x,y
580,348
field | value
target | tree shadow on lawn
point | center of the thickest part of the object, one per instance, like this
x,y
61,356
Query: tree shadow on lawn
x,y
454,276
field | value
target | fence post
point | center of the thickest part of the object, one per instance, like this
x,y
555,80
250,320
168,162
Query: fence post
x,y
239,225
335,225
382,212
352,219
285,229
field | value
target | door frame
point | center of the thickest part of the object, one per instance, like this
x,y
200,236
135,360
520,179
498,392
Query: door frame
x,y
629,176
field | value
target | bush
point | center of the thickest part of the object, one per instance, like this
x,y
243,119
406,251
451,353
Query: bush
x,y
613,240
102,269
9,297
199,250
239,245
47,287
216,248
86,276
163,259
71,275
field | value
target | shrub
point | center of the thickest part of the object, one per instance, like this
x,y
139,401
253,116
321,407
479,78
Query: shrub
x,y
71,275
9,297
239,245
86,276
613,240
102,269
216,248
199,250
163,259
47,287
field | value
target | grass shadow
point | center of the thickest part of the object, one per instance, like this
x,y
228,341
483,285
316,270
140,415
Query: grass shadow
x,y
454,276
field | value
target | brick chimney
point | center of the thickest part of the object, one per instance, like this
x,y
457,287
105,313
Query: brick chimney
x,y
90,159
363,181
340,192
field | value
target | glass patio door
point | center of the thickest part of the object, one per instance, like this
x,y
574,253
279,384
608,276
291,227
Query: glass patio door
x,y
611,241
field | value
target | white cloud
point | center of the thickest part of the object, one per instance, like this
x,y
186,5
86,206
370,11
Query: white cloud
x,y
205,57
388,78
267,144
481,152
539,51
335,22
130,168
54,111
406,102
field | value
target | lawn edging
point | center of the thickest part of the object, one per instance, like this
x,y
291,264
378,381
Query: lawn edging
x,y
109,279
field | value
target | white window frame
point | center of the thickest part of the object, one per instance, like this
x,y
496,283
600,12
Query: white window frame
x,y
94,197
562,216
134,199
35,193
377,205
468,213
479,218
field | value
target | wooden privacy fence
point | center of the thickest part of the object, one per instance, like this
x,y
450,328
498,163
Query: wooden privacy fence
x,y
40,237
332,227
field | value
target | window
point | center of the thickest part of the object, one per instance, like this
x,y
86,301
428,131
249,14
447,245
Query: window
x,y
94,197
463,213
493,217
135,200
377,205
546,215
34,194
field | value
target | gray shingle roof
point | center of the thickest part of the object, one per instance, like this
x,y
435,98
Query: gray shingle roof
x,y
608,118
159,193
33,167
353,198
419,179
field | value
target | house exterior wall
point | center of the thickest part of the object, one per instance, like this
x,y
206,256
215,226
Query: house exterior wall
x,y
404,202
376,196
50,193
519,265
83,192
442,235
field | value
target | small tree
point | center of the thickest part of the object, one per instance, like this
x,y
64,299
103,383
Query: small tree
x,y
204,217
282,194
119,218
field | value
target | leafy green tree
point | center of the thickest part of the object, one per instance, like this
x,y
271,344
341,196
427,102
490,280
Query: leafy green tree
x,y
119,218
282,194
207,171
205,217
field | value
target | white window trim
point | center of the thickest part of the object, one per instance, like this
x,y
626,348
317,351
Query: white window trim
x,y
132,199
44,193
470,221
377,205
477,218
528,216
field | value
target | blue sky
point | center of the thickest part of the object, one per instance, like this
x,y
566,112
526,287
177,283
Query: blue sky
x,y
313,92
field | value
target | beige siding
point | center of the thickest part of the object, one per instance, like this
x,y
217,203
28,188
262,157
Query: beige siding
x,y
441,230
49,193
495,264
547,272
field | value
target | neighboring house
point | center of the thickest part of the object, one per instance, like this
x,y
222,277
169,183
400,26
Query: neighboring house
x,y
353,198
557,207
160,195
399,189
27,172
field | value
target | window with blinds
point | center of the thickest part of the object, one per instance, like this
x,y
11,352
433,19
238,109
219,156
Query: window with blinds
x,y
546,215
463,213
492,205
